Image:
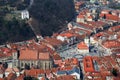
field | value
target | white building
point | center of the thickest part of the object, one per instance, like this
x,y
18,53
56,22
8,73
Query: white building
x,y
25,14
70,38
87,41
80,18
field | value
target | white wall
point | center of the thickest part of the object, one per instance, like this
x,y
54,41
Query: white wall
x,y
61,38
83,51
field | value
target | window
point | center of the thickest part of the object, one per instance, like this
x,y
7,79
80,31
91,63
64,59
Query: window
x,y
21,64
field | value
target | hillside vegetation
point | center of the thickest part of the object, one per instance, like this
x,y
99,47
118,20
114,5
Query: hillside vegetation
x,y
52,15
49,16
12,29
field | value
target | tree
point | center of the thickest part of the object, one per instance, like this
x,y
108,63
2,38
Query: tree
x,y
51,15
114,72
27,67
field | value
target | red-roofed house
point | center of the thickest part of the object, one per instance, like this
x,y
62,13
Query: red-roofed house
x,y
90,18
88,64
67,36
53,43
39,73
57,59
109,45
64,77
2,79
105,11
112,17
83,48
99,68
80,18
12,70
11,76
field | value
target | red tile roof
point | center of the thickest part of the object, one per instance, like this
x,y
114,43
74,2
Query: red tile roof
x,y
87,26
2,55
11,76
115,28
12,70
105,64
56,57
101,15
28,54
52,42
80,16
90,17
32,54
105,11
1,78
77,30
112,17
111,44
99,34
34,72
44,56
97,24
66,68
88,64
65,77
82,46
115,50
71,61
68,35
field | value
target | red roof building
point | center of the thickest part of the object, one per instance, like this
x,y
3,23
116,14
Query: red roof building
x,y
105,11
105,65
112,17
88,64
111,44
64,77
83,48
28,54
33,58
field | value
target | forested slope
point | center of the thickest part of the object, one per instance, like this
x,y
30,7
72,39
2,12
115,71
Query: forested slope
x,y
52,15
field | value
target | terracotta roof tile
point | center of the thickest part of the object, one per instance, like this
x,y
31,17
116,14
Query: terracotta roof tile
x,y
112,17
87,26
80,16
12,70
21,77
11,76
105,11
114,28
107,63
34,72
44,56
1,78
111,44
28,54
65,77
56,57
68,35
52,41
82,46
88,64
